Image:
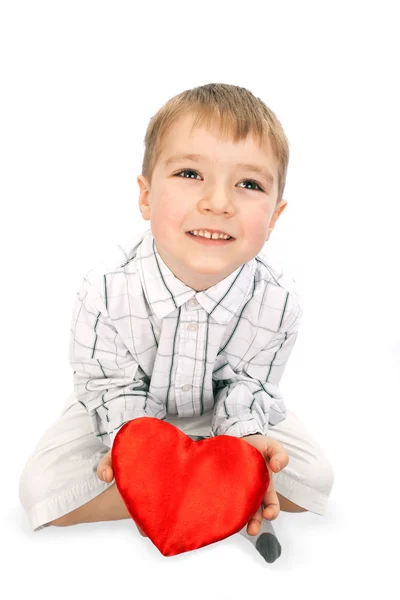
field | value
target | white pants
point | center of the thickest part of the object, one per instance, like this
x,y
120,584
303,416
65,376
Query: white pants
x,y
60,475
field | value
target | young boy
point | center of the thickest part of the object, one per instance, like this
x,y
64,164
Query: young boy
x,y
194,327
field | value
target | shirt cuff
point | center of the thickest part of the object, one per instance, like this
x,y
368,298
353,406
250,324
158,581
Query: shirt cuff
x,y
238,428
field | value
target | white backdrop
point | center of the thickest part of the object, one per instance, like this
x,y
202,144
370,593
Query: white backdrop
x,y
80,81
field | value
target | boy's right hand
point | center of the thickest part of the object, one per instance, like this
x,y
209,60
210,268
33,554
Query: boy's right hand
x,y
105,473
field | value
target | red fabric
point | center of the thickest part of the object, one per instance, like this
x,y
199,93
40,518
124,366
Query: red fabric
x,y
185,494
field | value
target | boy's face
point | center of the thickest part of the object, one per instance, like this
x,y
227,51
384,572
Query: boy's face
x,y
214,193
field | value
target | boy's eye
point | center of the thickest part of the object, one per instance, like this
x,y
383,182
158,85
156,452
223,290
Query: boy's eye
x,y
186,171
251,181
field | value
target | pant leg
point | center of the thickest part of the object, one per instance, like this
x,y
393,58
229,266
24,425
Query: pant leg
x,y
308,479
60,475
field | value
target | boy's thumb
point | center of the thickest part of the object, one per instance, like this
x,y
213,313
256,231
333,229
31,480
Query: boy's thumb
x,y
104,468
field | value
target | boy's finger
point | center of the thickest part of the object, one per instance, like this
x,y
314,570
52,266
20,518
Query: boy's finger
x,y
271,511
107,475
276,455
253,526
104,468
271,506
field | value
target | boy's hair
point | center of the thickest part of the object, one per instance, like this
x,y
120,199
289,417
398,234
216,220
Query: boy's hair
x,y
239,113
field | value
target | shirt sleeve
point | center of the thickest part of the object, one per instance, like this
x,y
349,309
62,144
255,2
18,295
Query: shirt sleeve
x,y
251,400
107,379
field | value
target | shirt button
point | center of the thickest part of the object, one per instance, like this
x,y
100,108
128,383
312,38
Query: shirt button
x,y
193,302
186,387
192,327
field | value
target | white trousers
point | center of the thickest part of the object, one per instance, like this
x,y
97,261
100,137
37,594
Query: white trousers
x,y
60,475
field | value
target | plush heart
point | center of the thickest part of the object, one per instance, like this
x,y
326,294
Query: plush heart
x,y
186,494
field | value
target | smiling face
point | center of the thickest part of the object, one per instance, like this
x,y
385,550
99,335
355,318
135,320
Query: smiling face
x,y
214,190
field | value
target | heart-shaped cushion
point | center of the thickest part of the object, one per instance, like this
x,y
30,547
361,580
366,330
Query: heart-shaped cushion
x,y
186,494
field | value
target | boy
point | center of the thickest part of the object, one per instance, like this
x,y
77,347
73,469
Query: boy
x,y
195,327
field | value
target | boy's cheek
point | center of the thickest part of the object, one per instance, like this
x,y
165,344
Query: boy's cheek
x,y
170,215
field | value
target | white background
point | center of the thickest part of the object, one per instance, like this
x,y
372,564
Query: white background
x,y
80,81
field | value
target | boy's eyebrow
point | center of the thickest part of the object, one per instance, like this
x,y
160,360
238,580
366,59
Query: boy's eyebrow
x,y
194,157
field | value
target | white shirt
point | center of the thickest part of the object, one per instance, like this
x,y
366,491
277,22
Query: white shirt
x,y
145,344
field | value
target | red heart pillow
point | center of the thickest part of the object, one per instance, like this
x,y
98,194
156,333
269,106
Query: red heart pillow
x,y
185,494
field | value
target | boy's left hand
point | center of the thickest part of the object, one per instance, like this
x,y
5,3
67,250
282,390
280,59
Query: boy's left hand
x,y
277,459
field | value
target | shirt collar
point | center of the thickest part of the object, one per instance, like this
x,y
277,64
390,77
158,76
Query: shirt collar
x,y
165,292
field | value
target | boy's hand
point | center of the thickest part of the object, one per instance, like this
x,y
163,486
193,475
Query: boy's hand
x,y
104,468
277,459
106,473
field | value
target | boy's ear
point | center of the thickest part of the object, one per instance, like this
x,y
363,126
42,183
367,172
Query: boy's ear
x,y
279,209
144,205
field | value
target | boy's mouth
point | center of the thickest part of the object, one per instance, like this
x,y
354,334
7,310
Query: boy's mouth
x,y
209,241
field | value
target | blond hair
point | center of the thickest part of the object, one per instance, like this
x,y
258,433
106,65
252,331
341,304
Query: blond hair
x,y
239,113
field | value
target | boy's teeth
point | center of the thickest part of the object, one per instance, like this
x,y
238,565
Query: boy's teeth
x,y
207,234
